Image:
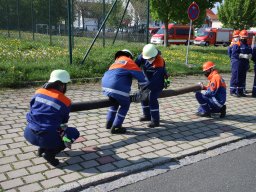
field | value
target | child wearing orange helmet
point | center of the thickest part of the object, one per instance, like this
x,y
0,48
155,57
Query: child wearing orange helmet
x,y
241,53
214,98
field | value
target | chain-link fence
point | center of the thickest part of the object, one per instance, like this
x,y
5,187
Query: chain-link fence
x,y
47,20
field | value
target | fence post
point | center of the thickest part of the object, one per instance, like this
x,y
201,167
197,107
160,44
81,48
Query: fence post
x,y
50,28
121,22
106,18
69,31
103,30
32,17
8,19
18,15
147,30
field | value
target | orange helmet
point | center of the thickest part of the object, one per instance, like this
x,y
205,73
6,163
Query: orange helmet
x,y
236,33
243,34
208,65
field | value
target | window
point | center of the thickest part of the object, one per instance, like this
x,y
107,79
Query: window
x,y
183,31
171,31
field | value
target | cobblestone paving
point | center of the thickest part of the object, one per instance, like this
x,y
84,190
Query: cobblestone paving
x,y
97,155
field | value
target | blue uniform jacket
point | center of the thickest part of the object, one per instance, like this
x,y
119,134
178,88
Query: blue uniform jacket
x,y
117,81
238,48
155,72
48,110
216,88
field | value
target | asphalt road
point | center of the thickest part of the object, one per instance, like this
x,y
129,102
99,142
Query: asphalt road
x,y
234,171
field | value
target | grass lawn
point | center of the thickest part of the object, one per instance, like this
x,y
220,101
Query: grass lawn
x,y
23,61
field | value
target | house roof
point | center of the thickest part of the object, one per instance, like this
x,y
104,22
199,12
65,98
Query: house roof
x,y
211,15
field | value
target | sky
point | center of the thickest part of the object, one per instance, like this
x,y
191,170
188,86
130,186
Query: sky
x,y
215,8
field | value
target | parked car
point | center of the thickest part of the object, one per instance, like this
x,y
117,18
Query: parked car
x,y
153,30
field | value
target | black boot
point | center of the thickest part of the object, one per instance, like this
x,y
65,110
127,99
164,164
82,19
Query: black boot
x,y
40,151
144,118
203,114
109,124
118,130
223,111
49,156
153,124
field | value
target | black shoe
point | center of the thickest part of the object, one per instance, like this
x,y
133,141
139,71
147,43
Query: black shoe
x,y
109,124
50,158
145,118
117,130
253,95
223,111
235,95
40,151
203,114
153,124
243,95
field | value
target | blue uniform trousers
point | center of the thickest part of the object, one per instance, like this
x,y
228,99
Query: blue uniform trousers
x,y
116,113
206,104
50,139
150,107
254,83
233,80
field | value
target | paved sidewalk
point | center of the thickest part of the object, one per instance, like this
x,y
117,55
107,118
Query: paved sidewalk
x,y
97,156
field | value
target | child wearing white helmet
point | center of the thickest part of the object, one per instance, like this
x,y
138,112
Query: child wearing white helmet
x,y
47,118
153,66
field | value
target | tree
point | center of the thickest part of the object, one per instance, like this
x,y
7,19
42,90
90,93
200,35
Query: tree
x,y
176,11
238,14
20,12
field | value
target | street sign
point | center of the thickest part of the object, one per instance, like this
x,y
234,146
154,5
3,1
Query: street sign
x,y
193,11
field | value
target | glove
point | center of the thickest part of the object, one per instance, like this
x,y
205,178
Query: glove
x,y
167,82
250,56
135,97
201,85
67,141
243,56
63,126
140,96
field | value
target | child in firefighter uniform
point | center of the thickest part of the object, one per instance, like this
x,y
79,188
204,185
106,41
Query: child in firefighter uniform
x,y
254,60
235,39
116,84
47,118
214,98
241,53
153,66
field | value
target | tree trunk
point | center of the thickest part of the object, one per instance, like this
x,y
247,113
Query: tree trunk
x,y
166,34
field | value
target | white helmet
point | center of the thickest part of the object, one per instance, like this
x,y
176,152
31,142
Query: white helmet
x,y
149,51
59,75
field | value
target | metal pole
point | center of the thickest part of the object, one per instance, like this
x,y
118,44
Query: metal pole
x,y
50,27
18,15
8,19
147,30
72,27
121,21
32,16
69,31
104,26
81,106
98,32
188,41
